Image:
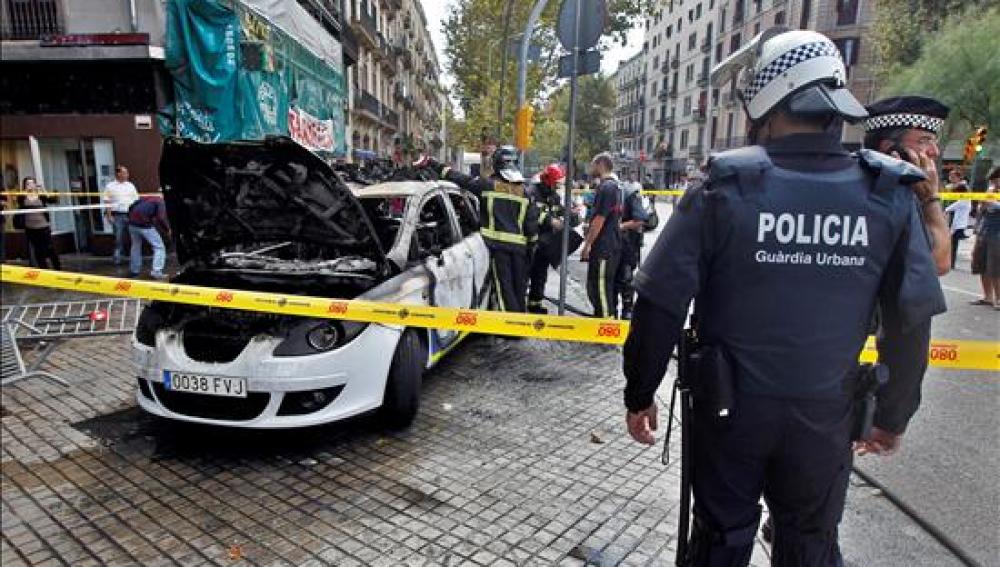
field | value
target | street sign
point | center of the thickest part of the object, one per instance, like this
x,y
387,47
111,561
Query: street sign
x,y
592,18
534,50
589,63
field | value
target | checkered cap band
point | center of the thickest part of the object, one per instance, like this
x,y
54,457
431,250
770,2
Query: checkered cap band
x,y
786,61
904,120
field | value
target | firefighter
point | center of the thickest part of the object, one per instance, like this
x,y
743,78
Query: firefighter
x,y
547,197
509,221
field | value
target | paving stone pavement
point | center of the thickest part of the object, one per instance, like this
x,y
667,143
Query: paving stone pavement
x,y
519,457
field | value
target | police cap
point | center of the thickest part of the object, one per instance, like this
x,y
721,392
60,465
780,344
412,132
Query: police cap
x,y
919,112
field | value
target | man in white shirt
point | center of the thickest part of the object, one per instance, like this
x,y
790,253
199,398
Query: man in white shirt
x,y
119,196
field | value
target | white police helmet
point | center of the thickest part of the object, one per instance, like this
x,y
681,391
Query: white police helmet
x,y
801,67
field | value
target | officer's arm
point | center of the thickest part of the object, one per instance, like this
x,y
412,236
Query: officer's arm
x,y
909,297
665,283
531,221
474,185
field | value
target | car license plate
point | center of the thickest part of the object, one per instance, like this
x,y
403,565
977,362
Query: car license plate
x,y
202,384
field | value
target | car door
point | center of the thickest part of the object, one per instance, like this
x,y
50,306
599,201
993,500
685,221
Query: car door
x,y
467,217
448,263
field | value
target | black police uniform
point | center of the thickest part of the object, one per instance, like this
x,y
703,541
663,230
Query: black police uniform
x,y
547,250
631,251
788,252
509,222
605,253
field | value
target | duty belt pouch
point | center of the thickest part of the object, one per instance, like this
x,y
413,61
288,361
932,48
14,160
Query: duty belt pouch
x,y
714,386
867,381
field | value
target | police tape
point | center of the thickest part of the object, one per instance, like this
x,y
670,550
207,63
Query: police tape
x,y
954,354
552,327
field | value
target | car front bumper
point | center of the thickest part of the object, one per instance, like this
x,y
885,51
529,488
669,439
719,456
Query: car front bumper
x,y
353,375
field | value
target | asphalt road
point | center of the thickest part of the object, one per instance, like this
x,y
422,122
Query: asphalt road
x,y
947,467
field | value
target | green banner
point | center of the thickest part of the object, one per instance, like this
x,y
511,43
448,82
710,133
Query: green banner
x,y
236,76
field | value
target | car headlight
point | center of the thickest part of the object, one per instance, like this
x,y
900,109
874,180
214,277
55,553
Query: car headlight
x,y
315,336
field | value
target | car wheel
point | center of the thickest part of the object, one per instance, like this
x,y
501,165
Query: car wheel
x,y
402,389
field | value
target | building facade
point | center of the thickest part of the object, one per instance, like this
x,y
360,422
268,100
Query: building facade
x,y
397,102
678,41
628,122
684,117
843,21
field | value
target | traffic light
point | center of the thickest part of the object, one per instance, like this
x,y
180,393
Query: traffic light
x,y
974,145
523,126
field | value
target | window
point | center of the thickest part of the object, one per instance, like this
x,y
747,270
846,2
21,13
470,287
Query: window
x,y
434,229
691,15
718,51
684,139
656,62
849,48
779,18
734,43
847,12
680,24
692,41
687,106
738,13
722,21
468,216
756,28
689,73
669,31
806,14
697,11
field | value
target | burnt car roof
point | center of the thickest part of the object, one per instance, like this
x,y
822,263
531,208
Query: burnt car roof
x,y
400,188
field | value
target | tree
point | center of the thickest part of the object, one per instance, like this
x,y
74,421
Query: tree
x,y
959,66
595,104
902,27
474,46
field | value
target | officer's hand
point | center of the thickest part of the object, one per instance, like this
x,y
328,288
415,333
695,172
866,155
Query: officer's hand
x,y
585,253
928,189
879,442
642,424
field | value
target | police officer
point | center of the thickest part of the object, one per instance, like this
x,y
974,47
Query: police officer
x,y
787,247
509,222
545,194
907,127
603,245
634,217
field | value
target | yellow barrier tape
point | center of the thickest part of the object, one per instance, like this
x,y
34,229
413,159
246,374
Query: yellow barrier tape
x,y
552,327
954,354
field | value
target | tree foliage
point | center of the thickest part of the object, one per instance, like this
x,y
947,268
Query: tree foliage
x,y
960,67
474,48
902,27
595,104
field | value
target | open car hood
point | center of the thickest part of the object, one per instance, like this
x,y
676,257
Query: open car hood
x,y
238,195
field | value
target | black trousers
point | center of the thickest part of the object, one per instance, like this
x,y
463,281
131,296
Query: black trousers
x,y
510,278
956,237
623,279
797,454
41,251
538,275
601,274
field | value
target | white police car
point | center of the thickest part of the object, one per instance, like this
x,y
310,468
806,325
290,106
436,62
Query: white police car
x,y
271,216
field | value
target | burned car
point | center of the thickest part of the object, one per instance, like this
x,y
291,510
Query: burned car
x,y
271,216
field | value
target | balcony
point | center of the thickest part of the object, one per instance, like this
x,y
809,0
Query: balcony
x,y
326,12
673,93
729,143
390,118
366,28
349,47
665,67
700,115
675,63
31,19
664,123
366,104
703,80
695,151
706,46
663,96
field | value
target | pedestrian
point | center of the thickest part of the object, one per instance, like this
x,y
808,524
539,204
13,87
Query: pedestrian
x,y
602,246
907,128
633,223
509,219
145,216
960,211
648,185
547,195
119,195
37,226
986,252
787,245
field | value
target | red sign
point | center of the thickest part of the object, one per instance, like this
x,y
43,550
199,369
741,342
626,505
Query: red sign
x,y
466,318
224,297
310,131
609,330
337,308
